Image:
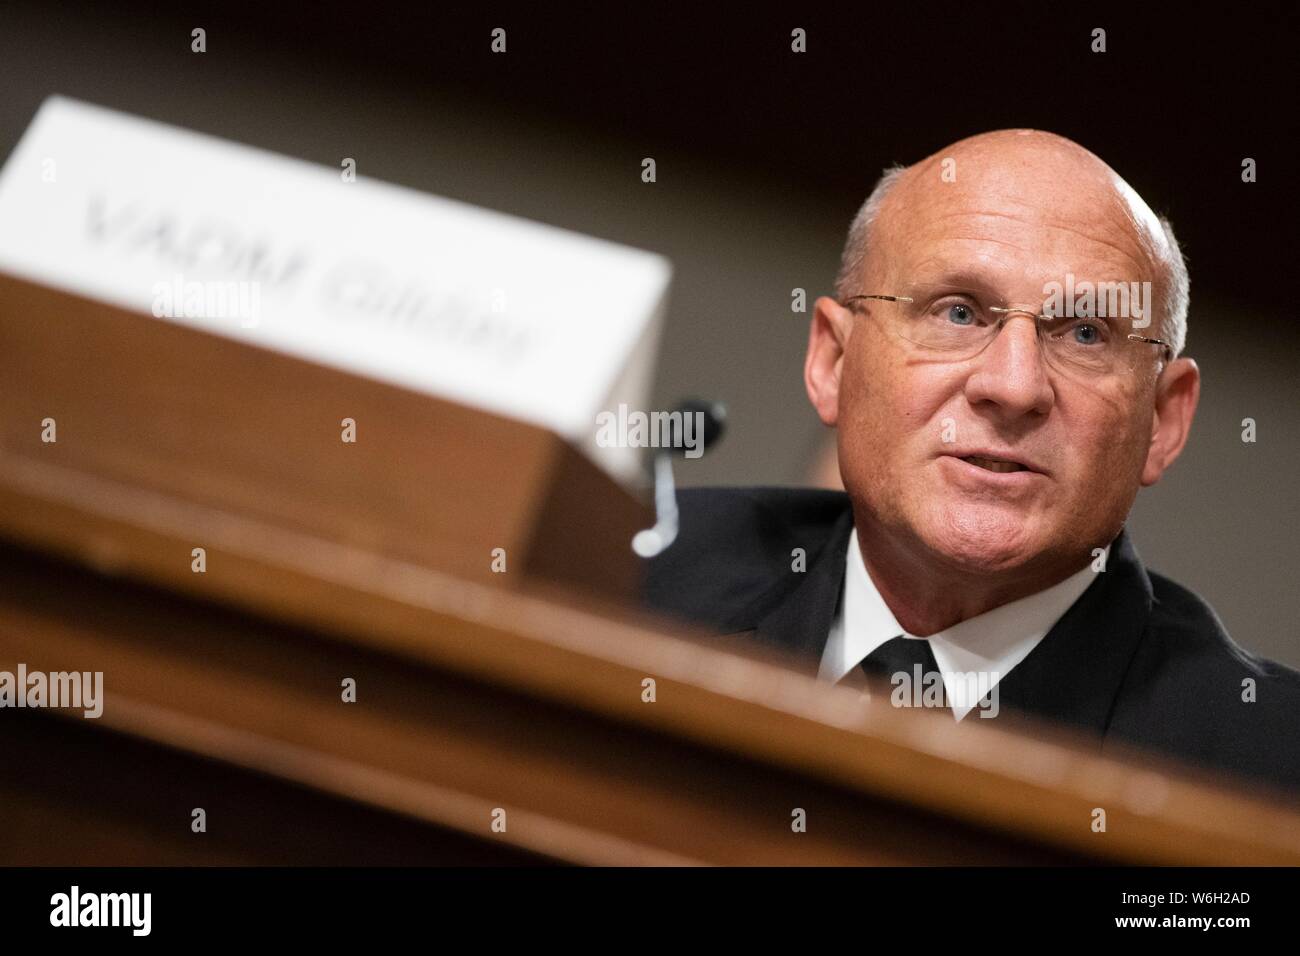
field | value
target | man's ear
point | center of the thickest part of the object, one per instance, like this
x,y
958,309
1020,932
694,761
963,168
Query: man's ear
x,y
828,336
1178,389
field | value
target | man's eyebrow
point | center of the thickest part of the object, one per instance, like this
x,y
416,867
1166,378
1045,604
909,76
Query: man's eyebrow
x,y
985,284
956,280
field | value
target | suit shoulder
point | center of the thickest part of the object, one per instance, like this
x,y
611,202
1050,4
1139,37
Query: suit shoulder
x,y
1193,691
1186,628
732,544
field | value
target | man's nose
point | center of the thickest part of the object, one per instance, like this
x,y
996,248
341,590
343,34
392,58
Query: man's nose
x,y
1010,372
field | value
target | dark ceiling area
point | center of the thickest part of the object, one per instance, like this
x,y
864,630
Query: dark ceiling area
x,y
1178,99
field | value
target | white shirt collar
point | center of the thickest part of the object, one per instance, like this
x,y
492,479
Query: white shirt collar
x,y
989,644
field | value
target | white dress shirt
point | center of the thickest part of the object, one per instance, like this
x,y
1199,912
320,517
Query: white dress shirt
x,y
989,644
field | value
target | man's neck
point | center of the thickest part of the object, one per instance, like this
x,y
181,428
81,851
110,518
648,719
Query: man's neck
x,y
928,595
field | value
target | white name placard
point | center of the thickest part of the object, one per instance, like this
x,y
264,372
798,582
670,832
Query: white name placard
x,y
512,316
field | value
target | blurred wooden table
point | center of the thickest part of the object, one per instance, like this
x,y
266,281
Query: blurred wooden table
x,y
478,700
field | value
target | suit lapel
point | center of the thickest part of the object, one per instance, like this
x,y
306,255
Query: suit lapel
x,y
1075,673
802,621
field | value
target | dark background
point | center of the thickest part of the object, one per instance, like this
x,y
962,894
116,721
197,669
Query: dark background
x,y
763,157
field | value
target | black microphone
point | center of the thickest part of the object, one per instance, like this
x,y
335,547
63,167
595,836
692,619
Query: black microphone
x,y
712,419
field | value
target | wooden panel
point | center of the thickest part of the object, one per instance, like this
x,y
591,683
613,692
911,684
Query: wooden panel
x,y
77,794
475,697
425,744
169,408
521,691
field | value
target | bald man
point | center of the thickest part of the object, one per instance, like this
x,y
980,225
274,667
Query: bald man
x,y
1002,366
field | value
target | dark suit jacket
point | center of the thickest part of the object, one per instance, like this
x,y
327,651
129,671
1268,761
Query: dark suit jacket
x,y
1136,659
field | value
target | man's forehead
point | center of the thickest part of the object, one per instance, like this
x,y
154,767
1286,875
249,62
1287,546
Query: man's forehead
x,y
1033,203
1009,247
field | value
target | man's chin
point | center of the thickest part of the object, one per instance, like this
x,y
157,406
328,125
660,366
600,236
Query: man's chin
x,y
985,540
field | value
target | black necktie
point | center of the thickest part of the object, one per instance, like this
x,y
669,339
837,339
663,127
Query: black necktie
x,y
901,655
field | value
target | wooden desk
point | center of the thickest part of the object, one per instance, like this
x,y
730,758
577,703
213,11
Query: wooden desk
x,y
223,688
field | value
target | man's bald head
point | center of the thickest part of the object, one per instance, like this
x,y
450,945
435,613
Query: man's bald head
x,y
1034,176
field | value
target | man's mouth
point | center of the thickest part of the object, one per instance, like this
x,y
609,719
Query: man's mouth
x,y
998,465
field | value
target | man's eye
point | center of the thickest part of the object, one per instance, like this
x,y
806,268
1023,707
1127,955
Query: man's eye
x,y
961,314
1086,333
